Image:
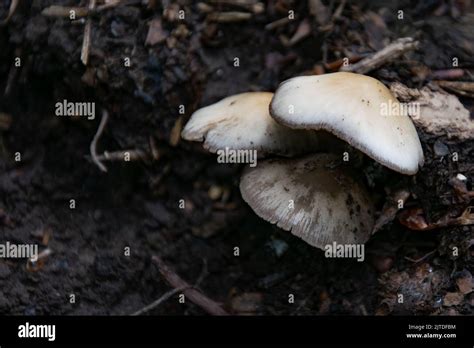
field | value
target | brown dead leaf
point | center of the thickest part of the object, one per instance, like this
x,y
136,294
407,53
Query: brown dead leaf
x,y
465,283
5,121
452,299
175,135
413,219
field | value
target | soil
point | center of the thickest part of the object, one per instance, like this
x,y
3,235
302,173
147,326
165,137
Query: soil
x,y
136,204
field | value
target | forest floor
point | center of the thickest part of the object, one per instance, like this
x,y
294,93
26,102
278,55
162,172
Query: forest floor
x,y
190,61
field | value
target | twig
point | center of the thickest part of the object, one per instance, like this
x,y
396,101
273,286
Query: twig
x,y
65,11
337,14
414,219
156,303
190,292
134,155
387,54
93,147
278,23
229,17
172,292
86,43
462,88
11,12
250,5
421,258
390,209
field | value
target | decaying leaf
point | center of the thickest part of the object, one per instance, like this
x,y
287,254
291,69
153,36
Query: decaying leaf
x,y
465,282
452,299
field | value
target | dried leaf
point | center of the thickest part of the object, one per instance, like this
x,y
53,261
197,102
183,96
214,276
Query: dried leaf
x,y
452,299
465,283
175,135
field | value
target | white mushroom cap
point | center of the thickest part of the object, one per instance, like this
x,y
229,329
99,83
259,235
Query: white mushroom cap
x,y
243,121
351,106
329,205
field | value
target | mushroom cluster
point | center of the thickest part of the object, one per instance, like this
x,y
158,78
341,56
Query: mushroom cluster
x,y
314,194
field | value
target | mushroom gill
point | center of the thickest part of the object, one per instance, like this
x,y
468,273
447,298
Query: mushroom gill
x,y
314,197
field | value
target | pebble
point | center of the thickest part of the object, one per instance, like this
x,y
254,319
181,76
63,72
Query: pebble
x,y
215,192
440,149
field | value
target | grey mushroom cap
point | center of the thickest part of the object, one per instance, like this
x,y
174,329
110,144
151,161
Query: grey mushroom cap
x,y
329,205
242,122
351,106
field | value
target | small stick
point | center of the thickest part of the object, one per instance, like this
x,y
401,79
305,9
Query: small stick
x,y
447,74
338,12
62,11
93,147
278,23
229,17
250,5
390,209
156,303
462,88
134,155
86,43
387,54
190,292
421,258
80,12
11,12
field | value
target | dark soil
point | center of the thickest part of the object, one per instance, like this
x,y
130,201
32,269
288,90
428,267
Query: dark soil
x,y
137,204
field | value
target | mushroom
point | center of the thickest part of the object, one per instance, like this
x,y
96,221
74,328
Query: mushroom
x,y
351,107
314,197
242,122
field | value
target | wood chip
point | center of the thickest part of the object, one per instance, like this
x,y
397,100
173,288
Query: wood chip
x,y
62,11
156,34
441,114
